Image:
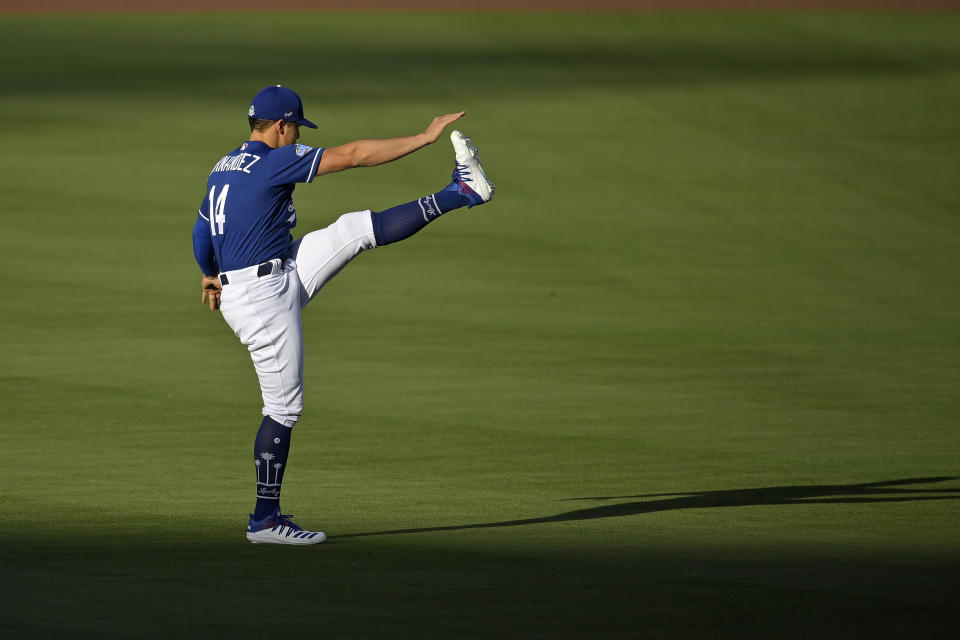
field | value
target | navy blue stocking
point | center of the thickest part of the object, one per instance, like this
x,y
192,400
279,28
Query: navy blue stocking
x,y
270,452
404,220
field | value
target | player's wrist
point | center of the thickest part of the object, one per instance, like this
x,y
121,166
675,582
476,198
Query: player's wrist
x,y
425,138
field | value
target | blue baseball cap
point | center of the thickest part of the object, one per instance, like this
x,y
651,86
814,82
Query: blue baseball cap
x,y
279,103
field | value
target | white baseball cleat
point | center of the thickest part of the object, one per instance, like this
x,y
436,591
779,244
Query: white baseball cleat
x,y
278,528
468,174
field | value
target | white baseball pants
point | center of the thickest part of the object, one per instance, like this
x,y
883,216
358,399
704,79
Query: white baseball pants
x,y
265,312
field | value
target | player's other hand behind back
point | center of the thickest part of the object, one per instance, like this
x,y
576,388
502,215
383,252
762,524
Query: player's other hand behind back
x,y
210,286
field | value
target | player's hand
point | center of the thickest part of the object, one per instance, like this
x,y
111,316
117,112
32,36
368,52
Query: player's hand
x,y
440,123
210,286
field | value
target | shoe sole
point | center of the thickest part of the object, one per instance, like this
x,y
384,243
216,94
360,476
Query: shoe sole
x,y
456,136
272,538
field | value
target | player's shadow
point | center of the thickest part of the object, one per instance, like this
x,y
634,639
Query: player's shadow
x,y
904,490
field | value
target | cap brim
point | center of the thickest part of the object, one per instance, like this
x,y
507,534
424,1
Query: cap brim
x,y
306,123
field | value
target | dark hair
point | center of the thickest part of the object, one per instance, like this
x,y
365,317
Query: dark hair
x,y
260,124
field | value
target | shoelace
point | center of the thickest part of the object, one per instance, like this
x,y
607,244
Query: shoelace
x,y
284,521
463,171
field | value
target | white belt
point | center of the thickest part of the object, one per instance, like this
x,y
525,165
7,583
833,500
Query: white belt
x,y
249,274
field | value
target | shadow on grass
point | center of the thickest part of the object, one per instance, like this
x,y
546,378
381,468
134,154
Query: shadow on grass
x,y
871,492
148,580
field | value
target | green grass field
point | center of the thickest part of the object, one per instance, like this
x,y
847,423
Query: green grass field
x,y
692,374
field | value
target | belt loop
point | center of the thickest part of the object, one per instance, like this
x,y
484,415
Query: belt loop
x,y
253,272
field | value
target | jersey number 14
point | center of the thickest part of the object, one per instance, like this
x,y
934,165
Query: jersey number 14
x,y
218,205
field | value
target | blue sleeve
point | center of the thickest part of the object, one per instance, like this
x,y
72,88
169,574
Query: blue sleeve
x,y
203,246
293,163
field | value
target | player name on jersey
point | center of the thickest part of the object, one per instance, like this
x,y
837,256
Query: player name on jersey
x,y
239,162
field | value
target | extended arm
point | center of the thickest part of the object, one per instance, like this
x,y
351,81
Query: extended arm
x,y
368,153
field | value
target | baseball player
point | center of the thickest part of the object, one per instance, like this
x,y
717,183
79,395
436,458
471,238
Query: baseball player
x,y
260,277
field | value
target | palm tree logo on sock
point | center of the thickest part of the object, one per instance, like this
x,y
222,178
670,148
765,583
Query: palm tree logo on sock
x,y
263,487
